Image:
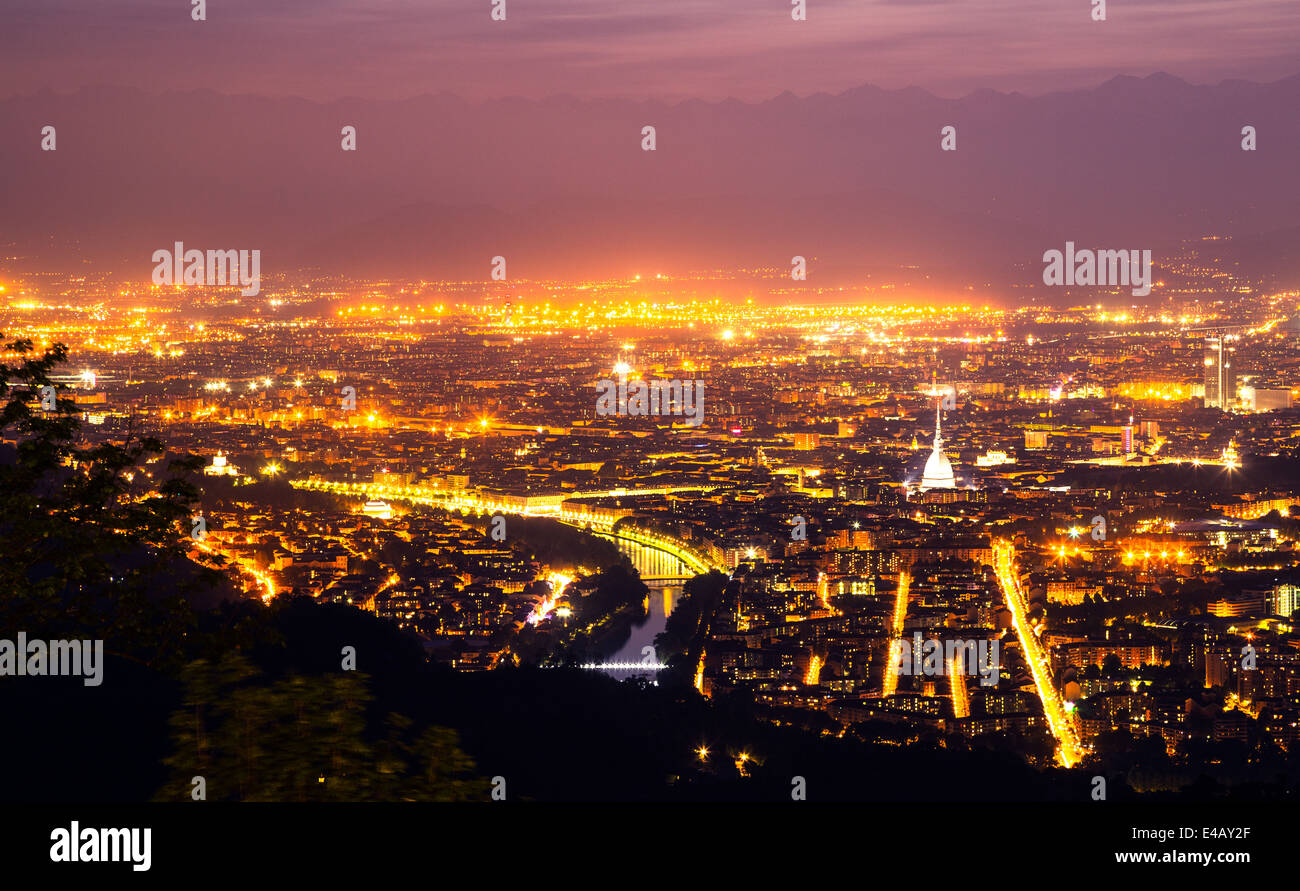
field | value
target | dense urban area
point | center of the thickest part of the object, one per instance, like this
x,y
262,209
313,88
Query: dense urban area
x,y
1063,532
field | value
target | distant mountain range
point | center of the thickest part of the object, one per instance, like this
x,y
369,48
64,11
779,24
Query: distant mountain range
x,y
856,182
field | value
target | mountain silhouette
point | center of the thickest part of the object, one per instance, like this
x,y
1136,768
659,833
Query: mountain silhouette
x,y
562,188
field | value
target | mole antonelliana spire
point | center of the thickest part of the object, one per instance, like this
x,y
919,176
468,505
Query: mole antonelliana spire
x,y
938,469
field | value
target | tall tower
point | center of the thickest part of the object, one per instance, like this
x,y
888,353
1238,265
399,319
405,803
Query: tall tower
x,y
1220,376
1213,372
938,469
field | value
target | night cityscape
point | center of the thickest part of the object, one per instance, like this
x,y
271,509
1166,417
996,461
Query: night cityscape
x,y
508,434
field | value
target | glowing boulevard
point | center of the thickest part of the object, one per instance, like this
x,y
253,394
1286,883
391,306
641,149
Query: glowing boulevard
x,y
1069,752
895,641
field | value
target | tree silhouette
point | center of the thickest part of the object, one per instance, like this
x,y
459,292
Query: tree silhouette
x,y
91,533
303,738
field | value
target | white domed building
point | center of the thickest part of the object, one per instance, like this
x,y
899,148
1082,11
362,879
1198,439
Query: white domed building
x,y
938,469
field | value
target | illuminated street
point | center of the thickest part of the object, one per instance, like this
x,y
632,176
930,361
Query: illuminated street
x,y
1069,751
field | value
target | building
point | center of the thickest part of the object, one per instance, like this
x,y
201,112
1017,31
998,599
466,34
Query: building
x,y
1267,400
1236,606
1072,590
938,469
1035,439
380,510
220,467
1286,599
1220,375
1131,654
994,458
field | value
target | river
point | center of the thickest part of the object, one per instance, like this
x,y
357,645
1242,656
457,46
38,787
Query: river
x,y
663,574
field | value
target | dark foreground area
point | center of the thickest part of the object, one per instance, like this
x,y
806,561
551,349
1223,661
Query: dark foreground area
x,y
273,718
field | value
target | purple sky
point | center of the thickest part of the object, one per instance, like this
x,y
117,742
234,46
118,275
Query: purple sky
x,y
667,49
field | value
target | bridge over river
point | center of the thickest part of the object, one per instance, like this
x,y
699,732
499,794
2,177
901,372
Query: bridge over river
x,y
664,573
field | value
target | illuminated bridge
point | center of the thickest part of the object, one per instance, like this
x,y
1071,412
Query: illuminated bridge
x,y
658,566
